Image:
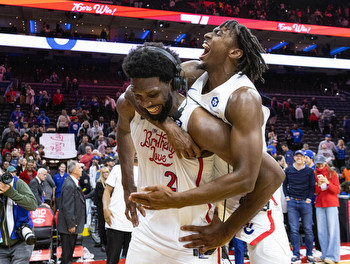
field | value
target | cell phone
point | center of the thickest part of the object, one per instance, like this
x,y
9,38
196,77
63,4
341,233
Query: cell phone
x,y
319,176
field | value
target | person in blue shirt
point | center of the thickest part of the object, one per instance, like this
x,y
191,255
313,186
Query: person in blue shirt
x,y
299,188
309,159
74,126
288,155
59,179
297,137
43,119
272,147
16,114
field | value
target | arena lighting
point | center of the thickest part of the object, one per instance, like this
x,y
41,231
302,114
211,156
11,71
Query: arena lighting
x,y
338,50
311,47
25,41
145,34
162,15
278,46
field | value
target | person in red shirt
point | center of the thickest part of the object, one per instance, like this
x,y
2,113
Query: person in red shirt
x,y
11,96
29,173
58,100
87,157
327,203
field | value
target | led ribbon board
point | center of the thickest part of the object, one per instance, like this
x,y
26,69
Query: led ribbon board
x,y
125,11
25,41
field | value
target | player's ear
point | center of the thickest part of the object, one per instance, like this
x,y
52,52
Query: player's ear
x,y
235,53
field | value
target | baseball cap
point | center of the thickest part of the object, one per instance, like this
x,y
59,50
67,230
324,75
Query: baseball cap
x,y
309,153
11,169
109,158
328,135
18,106
95,158
320,159
74,118
36,108
299,152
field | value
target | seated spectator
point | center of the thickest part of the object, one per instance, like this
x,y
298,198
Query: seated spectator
x,y
109,151
43,120
63,122
18,144
7,148
66,85
58,100
112,125
101,144
94,132
111,141
16,114
4,166
85,127
83,104
10,136
84,144
87,157
29,173
24,129
11,96
95,105
30,94
54,78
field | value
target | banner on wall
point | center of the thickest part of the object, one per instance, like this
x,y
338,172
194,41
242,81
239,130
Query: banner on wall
x,y
58,146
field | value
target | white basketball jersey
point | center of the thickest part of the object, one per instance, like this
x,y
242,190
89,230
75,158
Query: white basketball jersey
x,y
215,102
159,164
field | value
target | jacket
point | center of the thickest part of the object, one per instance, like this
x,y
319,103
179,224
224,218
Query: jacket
x,y
328,197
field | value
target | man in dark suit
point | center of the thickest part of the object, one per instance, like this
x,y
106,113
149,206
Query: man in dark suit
x,y
36,185
72,213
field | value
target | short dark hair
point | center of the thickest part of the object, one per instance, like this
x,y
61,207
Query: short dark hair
x,y
252,63
146,63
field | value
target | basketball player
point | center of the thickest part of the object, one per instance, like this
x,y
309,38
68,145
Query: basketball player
x,y
159,112
231,54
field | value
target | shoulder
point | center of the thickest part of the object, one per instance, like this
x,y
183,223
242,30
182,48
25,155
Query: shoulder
x,y
191,70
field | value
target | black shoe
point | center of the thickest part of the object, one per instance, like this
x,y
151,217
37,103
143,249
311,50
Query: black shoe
x,y
103,248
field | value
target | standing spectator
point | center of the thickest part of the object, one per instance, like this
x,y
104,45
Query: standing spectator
x,y
100,187
346,172
95,105
43,120
59,179
306,112
314,102
346,127
36,185
10,136
30,95
44,100
112,125
110,108
63,122
84,144
94,132
11,96
54,78
327,203
271,147
288,155
22,94
37,75
49,187
327,153
341,154
75,87
87,157
58,100
314,118
286,109
101,144
74,126
118,227
29,173
66,85
299,115
299,188
309,159
17,200
328,142
83,104
94,168
16,114
72,213
297,137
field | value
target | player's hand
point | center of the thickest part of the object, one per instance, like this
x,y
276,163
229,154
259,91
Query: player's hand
x,y
71,230
108,216
155,198
130,210
182,142
208,237
4,187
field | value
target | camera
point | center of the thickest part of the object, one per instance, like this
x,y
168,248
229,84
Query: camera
x,y
6,178
26,234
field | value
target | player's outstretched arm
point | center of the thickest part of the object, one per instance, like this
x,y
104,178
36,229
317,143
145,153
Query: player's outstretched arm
x,y
126,152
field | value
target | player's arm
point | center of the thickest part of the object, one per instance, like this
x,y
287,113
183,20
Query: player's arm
x,y
126,152
106,199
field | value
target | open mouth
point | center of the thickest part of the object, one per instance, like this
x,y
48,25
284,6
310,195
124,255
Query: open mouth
x,y
206,49
154,110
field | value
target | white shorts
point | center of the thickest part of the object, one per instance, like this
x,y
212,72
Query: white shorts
x,y
140,253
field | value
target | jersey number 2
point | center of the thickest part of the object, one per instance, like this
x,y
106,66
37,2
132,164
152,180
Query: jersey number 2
x,y
173,180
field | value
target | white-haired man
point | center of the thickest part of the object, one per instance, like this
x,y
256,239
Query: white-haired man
x,y
36,185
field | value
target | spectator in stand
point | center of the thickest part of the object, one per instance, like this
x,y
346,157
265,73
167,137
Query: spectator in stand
x,y
306,112
313,102
100,187
10,136
111,141
94,132
286,109
83,104
63,122
59,179
110,108
346,128
341,154
18,144
30,95
22,94
309,159
75,87
24,129
7,157
299,116
11,96
109,162
327,203
328,142
36,185
275,105
94,168
22,163
37,75
346,172
297,137
44,101
66,85
58,100
29,173
16,114
49,187
288,155
54,78
95,106
85,127
84,144
29,153
314,118
112,125
5,165
19,124
272,147
299,188
43,120
327,153
101,144
33,133
7,148
7,129
74,126
87,157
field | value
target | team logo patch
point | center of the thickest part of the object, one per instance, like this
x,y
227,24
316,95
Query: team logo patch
x,y
67,46
178,122
249,229
214,101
